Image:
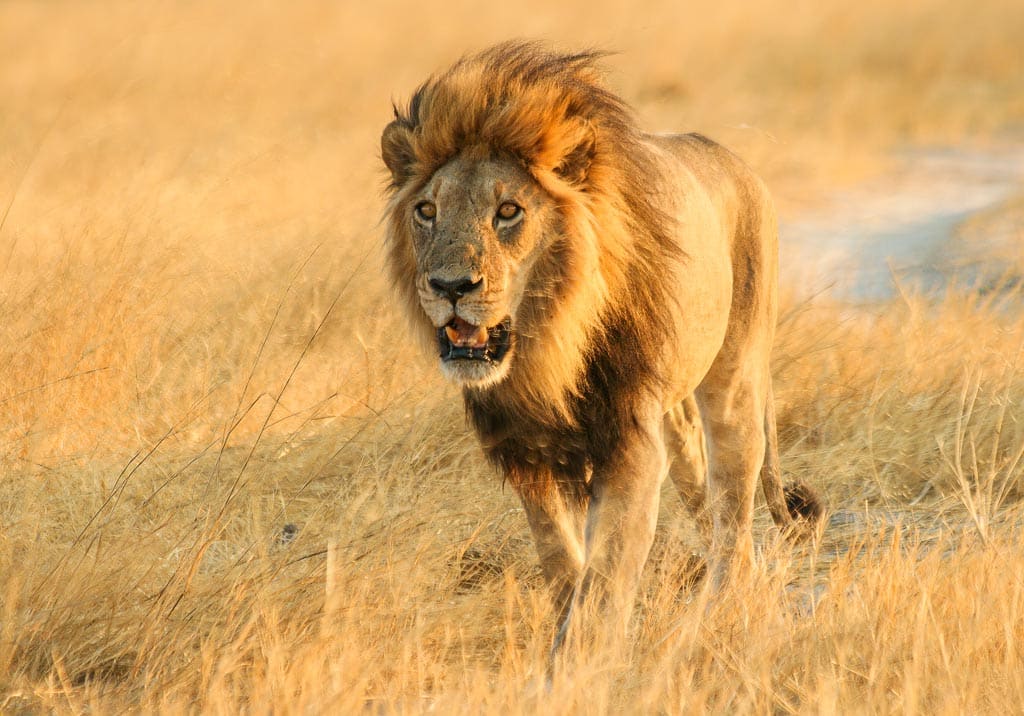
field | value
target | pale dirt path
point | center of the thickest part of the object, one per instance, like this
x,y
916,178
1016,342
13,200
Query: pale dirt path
x,y
919,224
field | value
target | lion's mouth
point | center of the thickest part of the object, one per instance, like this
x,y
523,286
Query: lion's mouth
x,y
461,340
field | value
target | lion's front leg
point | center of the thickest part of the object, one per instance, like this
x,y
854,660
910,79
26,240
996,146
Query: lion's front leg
x,y
620,524
557,525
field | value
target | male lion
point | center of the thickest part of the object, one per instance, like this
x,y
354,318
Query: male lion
x,y
605,298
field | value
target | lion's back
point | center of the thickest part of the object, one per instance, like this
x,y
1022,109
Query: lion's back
x,y
722,174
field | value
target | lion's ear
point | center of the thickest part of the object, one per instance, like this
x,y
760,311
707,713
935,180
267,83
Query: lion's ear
x,y
396,151
575,164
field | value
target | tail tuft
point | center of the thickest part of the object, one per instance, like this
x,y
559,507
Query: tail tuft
x,y
803,504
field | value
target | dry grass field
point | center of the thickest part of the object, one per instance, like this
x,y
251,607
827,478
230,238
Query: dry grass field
x,y
230,483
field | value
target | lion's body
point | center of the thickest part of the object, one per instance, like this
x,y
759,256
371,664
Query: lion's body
x,y
625,307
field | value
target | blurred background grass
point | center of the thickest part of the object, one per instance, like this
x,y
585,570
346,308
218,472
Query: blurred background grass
x,y
198,348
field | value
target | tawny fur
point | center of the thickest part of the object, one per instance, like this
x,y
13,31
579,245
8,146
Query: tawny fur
x,y
640,286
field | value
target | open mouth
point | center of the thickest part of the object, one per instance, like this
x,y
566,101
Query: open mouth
x,y
461,340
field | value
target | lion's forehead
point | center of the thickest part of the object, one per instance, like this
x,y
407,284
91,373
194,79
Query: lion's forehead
x,y
477,184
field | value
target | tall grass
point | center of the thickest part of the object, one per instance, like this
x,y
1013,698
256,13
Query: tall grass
x,y
229,483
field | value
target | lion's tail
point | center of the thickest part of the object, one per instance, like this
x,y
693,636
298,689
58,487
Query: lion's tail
x,y
796,508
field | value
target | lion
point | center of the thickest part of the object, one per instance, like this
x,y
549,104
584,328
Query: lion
x,y
606,299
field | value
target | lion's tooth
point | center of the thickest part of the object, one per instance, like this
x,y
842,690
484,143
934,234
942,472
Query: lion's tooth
x,y
463,333
480,339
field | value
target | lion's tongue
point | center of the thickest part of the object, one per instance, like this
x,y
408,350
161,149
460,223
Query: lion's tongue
x,y
465,334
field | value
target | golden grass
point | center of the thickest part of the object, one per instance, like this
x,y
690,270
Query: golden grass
x,y
198,349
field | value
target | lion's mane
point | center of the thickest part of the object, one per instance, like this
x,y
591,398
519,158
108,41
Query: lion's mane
x,y
591,330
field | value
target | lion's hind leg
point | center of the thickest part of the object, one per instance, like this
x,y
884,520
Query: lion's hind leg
x,y
733,414
688,467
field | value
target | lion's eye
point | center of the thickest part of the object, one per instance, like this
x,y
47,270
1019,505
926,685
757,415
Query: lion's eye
x,y
426,211
509,211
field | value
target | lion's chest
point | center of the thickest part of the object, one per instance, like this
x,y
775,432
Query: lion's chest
x,y
511,437
537,455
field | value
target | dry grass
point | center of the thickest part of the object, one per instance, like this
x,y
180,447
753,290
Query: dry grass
x,y
197,350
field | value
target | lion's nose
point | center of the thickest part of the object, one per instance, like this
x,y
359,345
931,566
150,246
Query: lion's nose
x,y
454,290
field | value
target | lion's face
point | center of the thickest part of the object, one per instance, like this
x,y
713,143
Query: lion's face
x,y
477,228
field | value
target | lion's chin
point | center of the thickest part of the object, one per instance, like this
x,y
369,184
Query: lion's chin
x,y
475,356
472,374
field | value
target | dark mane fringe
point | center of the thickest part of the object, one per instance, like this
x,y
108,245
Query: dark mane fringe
x,y
523,101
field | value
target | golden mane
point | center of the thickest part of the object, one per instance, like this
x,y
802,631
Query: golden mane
x,y
580,142
518,99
